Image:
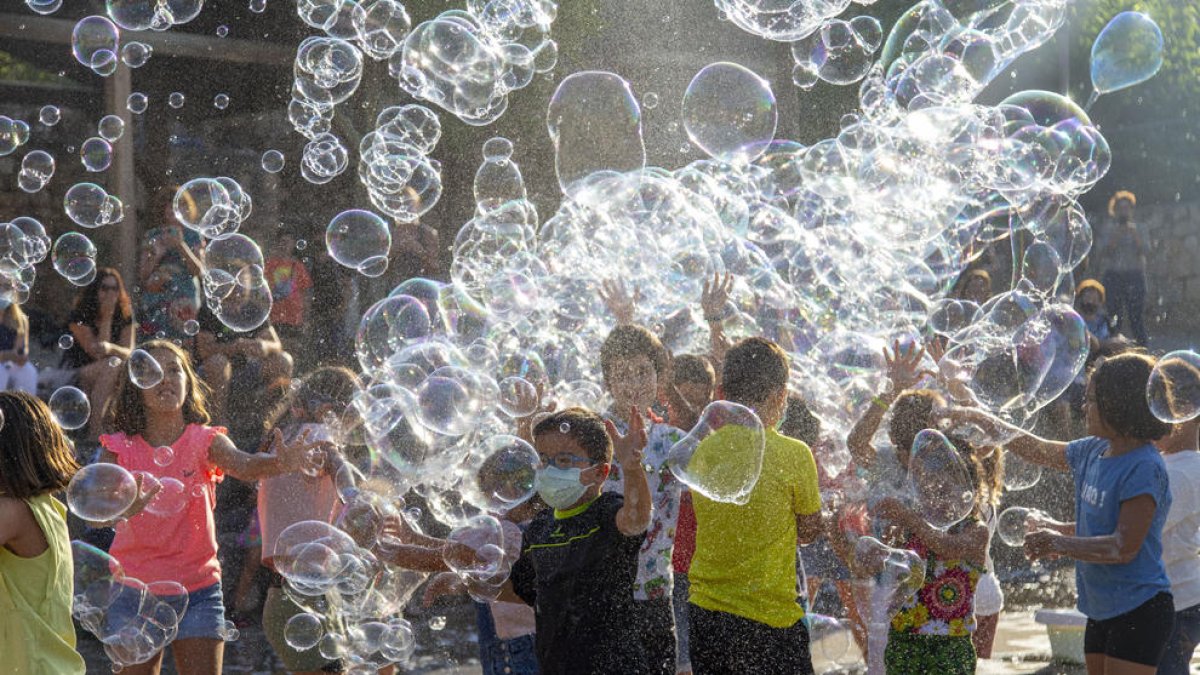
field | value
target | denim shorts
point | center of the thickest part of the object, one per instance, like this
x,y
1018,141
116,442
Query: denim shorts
x,y
204,617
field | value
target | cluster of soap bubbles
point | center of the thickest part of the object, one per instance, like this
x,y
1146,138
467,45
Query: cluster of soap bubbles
x,y
782,21
74,258
37,168
90,205
402,180
13,134
95,42
133,620
156,15
467,62
839,53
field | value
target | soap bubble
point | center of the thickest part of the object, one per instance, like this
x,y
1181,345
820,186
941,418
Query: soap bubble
x,y
88,204
242,301
222,31
831,638
303,631
96,154
518,397
221,101
1012,525
1128,51
437,623
176,100
650,100
49,115
136,103
448,401
729,112
94,41
136,54
1020,474
940,479
101,492
381,28
152,14
65,341
310,555
74,257
12,135
1173,390
505,475
272,161
387,326
37,168
324,158
722,456
111,128
476,548
359,240
164,455
191,327
144,370
172,498
206,206
44,6
839,53
596,126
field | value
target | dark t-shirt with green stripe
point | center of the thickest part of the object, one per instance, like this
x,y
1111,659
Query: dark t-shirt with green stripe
x,y
576,569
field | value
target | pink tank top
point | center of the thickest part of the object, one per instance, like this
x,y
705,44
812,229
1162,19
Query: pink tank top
x,y
172,546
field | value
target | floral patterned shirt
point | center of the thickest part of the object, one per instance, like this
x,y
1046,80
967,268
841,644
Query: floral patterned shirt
x,y
945,604
655,576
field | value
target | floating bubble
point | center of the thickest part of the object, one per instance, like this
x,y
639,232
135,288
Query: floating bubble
x,y
88,204
506,473
245,301
272,161
44,6
222,30
221,101
1019,474
74,257
136,103
942,487
12,135
101,492
49,115
191,327
518,397
596,126
176,100
729,112
37,168
839,53
144,370
437,623
258,6
65,341
721,457
650,100
172,498
327,70
303,631
164,455
136,54
111,128
70,407
1128,51
1012,525
96,154
448,401
138,15
1173,390
389,325
94,41
359,240
324,158
206,206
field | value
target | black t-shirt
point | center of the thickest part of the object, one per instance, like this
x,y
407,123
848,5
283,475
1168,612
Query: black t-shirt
x,y
576,572
75,356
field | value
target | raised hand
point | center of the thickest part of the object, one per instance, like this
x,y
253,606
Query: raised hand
x,y
628,449
715,295
619,301
903,366
297,454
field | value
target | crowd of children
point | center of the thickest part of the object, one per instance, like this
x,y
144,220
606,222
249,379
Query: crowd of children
x,y
620,567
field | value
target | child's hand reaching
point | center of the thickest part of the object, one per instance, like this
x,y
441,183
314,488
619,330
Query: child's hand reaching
x,y
627,449
618,300
903,366
715,295
148,488
540,406
299,454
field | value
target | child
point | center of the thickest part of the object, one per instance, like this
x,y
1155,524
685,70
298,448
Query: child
x,y
1122,497
579,561
695,383
17,372
744,617
163,431
305,495
635,368
1181,540
290,283
36,633
932,632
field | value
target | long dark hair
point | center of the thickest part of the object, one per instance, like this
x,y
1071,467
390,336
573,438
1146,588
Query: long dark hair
x,y
87,303
127,411
34,455
327,384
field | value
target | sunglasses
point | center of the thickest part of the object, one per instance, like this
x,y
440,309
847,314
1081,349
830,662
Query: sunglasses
x,y
109,287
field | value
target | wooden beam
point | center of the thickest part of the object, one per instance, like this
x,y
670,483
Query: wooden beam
x,y
165,43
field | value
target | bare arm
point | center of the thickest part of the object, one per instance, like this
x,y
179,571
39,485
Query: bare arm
x,y
1027,446
247,467
634,516
903,371
1118,548
970,543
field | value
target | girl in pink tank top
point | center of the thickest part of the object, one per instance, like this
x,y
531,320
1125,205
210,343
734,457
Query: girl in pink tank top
x,y
161,434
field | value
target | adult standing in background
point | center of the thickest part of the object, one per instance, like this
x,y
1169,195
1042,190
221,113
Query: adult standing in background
x,y
168,276
1123,251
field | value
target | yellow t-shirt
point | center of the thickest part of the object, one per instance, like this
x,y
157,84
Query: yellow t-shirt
x,y
36,633
745,561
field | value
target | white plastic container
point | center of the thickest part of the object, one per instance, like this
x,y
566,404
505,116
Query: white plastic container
x,y
1065,628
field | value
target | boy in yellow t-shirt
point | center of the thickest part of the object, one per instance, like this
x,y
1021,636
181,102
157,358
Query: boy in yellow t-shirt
x,y
743,610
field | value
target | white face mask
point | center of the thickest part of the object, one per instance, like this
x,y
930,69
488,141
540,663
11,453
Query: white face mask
x,y
559,488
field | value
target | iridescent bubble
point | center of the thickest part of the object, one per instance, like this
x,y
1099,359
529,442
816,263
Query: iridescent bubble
x,y
942,486
111,128
70,407
101,492
153,14
96,154
1128,51
74,257
136,103
258,6
44,6
94,41
359,240
272,161
205,205
437,623
136,54
49,115
729,112
144,370
1173,390
722,456
222,30
175,100
596,125
87,204
506,473
303,631
11,135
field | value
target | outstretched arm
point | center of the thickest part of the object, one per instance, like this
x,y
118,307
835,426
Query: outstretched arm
x,y
1118,548
1033,449
634,516
903,372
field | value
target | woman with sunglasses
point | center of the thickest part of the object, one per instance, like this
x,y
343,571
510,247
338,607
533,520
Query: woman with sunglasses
x,y
101,327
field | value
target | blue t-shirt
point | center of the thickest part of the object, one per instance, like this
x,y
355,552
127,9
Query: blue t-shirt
x,y
1101,485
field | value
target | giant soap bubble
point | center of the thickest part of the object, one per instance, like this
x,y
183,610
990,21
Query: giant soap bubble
x,y
1173,390
722,457
1128,51
729,112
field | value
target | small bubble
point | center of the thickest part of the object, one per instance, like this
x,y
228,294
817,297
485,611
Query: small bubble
x,y
175,100
564,428
301,244
136,103
164,455
49,115
66,342
650,100
258,6
191,327
222,31
221,101
437,623
272,161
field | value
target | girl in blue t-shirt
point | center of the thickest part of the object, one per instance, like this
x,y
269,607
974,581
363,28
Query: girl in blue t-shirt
x,y
1122,498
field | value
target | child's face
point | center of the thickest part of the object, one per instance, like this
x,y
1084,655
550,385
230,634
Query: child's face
x,y
169,394
559,449
697,394
633,382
